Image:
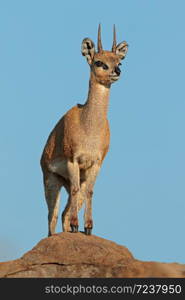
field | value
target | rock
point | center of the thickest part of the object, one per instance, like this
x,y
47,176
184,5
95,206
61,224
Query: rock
x,y
75,255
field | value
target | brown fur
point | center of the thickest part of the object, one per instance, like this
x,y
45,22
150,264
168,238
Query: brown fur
x,y
78,144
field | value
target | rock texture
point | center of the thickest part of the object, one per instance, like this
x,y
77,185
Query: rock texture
x,y
77,255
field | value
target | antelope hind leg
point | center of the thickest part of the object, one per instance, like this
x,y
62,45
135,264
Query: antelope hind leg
x,y
52,186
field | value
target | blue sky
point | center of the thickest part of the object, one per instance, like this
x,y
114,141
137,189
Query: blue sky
x,y
140,192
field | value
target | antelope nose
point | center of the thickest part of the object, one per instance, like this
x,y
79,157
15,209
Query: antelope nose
x,y
117,71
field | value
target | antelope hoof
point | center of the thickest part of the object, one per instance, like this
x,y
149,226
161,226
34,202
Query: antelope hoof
x,y
74,228
88,231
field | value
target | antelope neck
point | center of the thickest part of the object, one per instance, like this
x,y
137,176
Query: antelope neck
x,y
95,109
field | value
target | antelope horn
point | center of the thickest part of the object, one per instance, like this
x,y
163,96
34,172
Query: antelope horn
x,y
100,48
114,40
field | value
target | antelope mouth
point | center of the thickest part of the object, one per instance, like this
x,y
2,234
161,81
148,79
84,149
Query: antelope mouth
x,y
114,77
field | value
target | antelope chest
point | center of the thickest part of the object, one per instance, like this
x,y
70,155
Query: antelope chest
x,y
89,152
86,161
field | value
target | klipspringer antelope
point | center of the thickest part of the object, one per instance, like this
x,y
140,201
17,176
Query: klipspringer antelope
x,y
77,145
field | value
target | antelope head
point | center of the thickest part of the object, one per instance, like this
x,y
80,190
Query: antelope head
x,y
105,65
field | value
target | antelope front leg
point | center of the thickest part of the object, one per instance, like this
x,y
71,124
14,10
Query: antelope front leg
x,y
74,177
87,189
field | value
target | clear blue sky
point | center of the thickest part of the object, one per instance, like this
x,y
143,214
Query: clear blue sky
x,y
139,198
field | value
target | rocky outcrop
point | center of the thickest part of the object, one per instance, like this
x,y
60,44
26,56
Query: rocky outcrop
x,y
77,255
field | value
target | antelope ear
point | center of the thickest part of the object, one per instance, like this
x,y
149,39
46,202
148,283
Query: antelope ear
x,y
121,49
88,50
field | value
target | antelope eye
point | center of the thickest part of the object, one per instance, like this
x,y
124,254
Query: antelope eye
x,y
101,64
105,67
98,63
